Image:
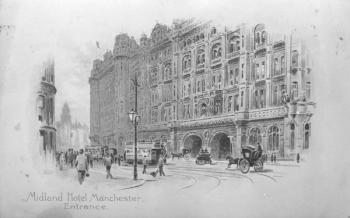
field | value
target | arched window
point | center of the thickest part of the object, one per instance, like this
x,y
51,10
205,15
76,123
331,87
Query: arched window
x,y
200,57
295,56
216,51
263,37
273,138
203,109
282,64
232,45
307,135
186,62
254,136
292,136
257,38
275,67
202,36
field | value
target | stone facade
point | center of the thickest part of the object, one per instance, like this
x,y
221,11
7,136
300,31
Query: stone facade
x,y
46,109
203,87
71,135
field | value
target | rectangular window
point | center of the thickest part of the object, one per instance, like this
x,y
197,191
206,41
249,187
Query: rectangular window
x,y
231,77
198,86
263,70
203,85
274,97
229,104
282,64
242,99
308,90
235,103
213,81
262,98
242,41
257,71
236,75
275,67
242,71
295,90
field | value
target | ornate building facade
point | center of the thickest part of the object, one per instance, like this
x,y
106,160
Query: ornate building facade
x,y
203,87
46,109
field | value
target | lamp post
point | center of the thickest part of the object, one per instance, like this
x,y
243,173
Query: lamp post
x,y
134,118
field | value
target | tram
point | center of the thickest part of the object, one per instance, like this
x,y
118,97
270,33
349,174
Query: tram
x,y
149,150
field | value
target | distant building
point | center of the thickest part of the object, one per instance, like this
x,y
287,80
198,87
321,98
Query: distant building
x,y
71,135
200,86
46,109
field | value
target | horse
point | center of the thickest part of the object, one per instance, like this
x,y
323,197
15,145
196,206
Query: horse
x,y
231,161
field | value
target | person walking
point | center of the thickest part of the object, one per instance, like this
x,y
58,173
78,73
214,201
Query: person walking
x,y
144,161
81,164
62,161
271,157
119,159
298,158
274,157
108,163
161,166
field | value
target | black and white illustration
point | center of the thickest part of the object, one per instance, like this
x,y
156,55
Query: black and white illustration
x,y
174,109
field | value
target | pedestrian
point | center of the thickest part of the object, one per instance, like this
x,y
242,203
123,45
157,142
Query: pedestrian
x,y
108,163
144,162
161,166
82,166
62,161
271,157
66,156
89,155
274,158
119,159
298,158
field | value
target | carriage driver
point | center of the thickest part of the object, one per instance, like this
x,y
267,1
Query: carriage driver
x,y
258,150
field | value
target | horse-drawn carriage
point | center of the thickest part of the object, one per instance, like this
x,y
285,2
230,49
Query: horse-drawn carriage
x,y
204,157
251,158
185,153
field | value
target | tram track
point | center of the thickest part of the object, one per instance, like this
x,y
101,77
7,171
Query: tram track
x,y
226,174
192,178
218,180
267,176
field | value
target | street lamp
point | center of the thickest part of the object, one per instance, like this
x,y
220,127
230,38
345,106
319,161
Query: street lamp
x,y
135,118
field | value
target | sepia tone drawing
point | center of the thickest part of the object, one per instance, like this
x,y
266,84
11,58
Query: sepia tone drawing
x,y
187,115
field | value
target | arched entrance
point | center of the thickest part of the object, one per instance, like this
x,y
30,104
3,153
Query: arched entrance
x,y
194,142
220,146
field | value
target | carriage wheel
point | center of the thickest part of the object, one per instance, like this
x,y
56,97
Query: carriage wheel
x,y
258,166
244,166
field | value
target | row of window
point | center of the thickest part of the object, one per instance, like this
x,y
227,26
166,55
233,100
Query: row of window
x,y
196,38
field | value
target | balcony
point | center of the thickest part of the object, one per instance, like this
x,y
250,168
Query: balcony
x,y
207,121
233,54
216,61
267,113
200,66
